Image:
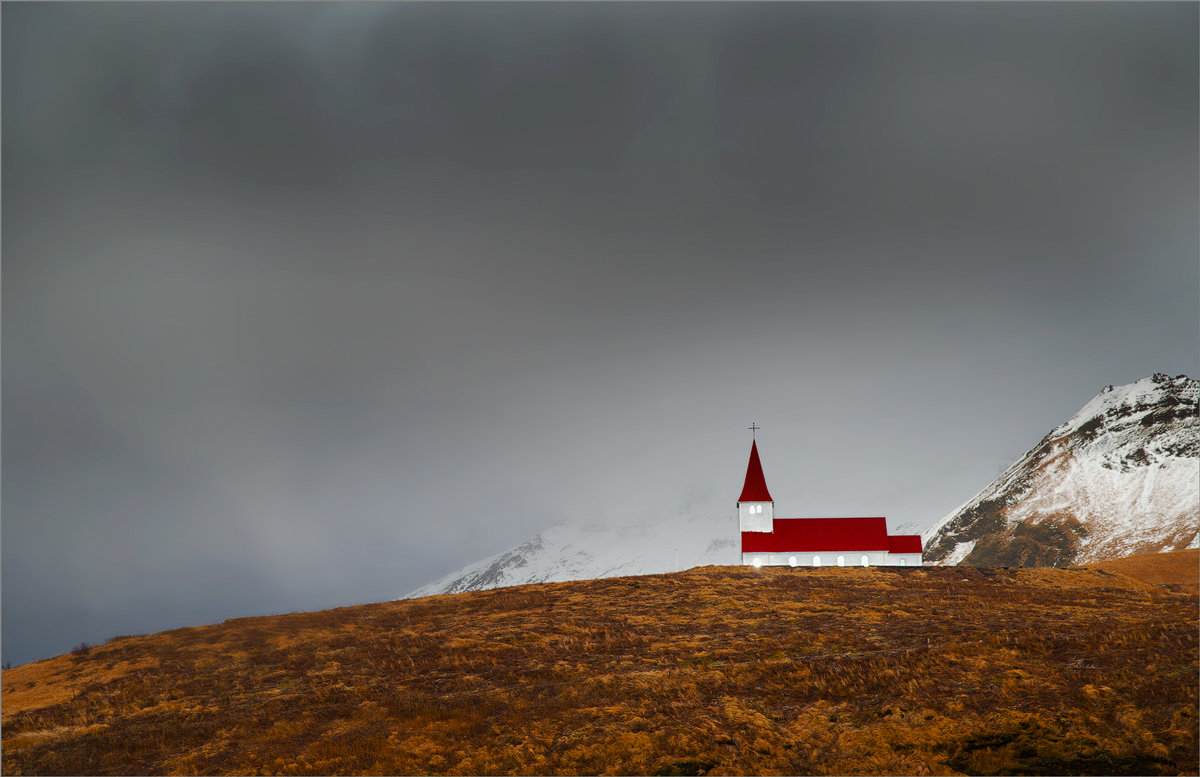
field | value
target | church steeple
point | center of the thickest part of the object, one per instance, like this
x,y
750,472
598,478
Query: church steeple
x,y
756,508
755,489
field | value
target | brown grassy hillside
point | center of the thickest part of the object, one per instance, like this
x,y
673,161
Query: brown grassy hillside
x,y
719,670
1173,568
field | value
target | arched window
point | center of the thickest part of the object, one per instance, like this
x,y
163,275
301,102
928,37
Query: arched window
x,y
792,561
816,561
903,562
841,561
758,562
866,562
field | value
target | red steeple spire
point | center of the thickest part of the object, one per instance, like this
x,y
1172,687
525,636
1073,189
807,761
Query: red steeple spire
x,y
755,489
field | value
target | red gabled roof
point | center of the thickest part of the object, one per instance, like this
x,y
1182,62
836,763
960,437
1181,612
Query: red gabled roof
x,y
755,489
820,535
904,543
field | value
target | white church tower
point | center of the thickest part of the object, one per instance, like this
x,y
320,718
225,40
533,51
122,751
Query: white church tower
x,y
756,509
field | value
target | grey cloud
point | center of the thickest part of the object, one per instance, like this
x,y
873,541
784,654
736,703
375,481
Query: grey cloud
x,y
306,304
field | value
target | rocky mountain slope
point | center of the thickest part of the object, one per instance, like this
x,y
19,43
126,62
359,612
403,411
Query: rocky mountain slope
x,y
1122,476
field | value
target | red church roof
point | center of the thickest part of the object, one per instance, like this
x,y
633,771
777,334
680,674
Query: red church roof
x,y
829,535
904,543
755,489
819,535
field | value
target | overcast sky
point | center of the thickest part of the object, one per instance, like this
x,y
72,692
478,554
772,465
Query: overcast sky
x,y
305,305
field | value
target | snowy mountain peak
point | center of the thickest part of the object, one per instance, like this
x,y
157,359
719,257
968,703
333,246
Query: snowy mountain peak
x,y
1158,399
1121,476
580,552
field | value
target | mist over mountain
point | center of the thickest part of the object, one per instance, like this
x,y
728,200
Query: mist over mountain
x,y
598,550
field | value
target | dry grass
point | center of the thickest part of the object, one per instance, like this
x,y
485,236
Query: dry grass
x,y
726,670
1174,568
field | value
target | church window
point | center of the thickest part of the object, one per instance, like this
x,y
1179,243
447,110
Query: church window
x,y
903,562
792,561
841,561
816,561
866,562
758,562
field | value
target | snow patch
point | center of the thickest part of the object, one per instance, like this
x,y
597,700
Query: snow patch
x,y
961,551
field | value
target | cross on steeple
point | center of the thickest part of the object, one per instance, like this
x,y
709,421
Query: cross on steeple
x,y
753,427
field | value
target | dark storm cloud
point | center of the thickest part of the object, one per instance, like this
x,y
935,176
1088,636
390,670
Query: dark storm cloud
x,y
306,304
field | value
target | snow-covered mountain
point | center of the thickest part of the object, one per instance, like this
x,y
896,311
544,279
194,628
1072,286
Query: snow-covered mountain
x,y
581,552
1122,476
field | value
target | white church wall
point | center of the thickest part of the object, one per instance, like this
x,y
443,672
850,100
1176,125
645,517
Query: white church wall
x,y
756,516
849,559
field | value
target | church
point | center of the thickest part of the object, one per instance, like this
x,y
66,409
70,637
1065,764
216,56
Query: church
x,y
814,542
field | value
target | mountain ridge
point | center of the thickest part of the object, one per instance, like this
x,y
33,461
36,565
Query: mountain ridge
x,y
1120,477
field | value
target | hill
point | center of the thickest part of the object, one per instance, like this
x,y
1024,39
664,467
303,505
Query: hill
x,y
1179,569
1120,477
721,670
